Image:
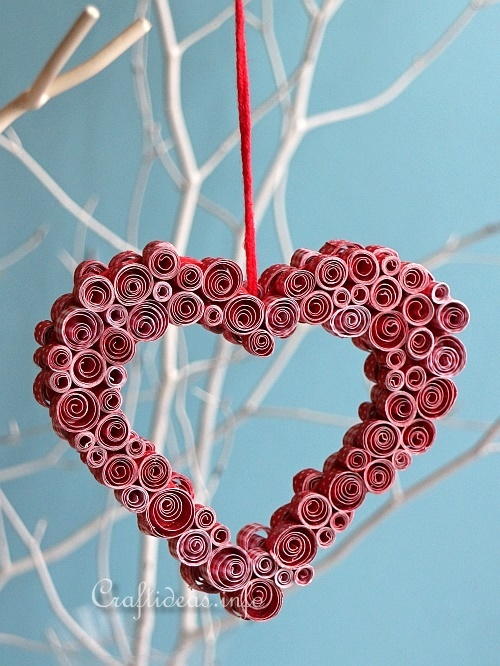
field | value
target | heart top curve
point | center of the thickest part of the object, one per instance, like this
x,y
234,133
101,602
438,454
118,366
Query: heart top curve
x,y
393,310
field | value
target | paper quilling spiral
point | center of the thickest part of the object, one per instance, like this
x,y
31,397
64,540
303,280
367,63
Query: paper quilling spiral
x,y
395,311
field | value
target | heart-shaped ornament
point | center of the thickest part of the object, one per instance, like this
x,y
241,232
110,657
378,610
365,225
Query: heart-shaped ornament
x,y
393,310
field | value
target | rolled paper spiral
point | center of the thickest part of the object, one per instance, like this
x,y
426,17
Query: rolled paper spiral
x,y
359,294
155,472
190,275
58,381
82,441
420,343
392,380
133,498
184,308
284,280
303,575
56,357
439,292
345,490
281,515
94,457
219,534
252,535
113,431
380,438
447,357
401,459
259,342
260,600
149,320
352,321
204,516
281,316
44,332
389,260
78,328
341,520
341,297
212,316
339,247
162,291
263,564
366,411
362,266
94,292
353,459
292,545
394,358
243,314
379,476
436,398
222,279
398,407
88,267
385,293
116,315
306,479
118,472
284,578
132,282
419,436
311,509
76,410
116,376
300,256
371,367
161,258
170,512
316,308
228,568
329,272
415,377
414,278
138,447
325,536
388,330
418,309
192,547
117,345
88,368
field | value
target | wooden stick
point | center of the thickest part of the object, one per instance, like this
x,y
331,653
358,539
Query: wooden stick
x,y
50,82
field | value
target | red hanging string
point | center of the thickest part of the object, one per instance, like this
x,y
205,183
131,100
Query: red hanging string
x,y
245,122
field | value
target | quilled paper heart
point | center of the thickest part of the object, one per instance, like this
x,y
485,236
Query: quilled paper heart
x,y
393,310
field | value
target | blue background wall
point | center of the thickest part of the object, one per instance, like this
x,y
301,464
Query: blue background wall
x,y
423,588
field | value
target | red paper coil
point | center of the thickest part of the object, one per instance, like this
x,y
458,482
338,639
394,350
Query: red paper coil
x,y
380,438
88,267
110,400
133,498
362,266
329,272
78,328
204,516
345,490
306,479
115,376
325,536
189,277
161,258
316,308
149,321
219,534
118,472
385,293
399,407
414,278
263,564
419,436
58,381
388,330
447,357
415,377
418,309
170,513
94,457
284,578
116,315
451,317
243,314
311,509
78,409
420,343
379,476
292,545
260,600
88,368
113,431
303,575
351,321
222,279
401,459
162,291
229,568
192,547
155,472
117,346
281,316
44,332
259,343
436,398
94,292
341,520
132,282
